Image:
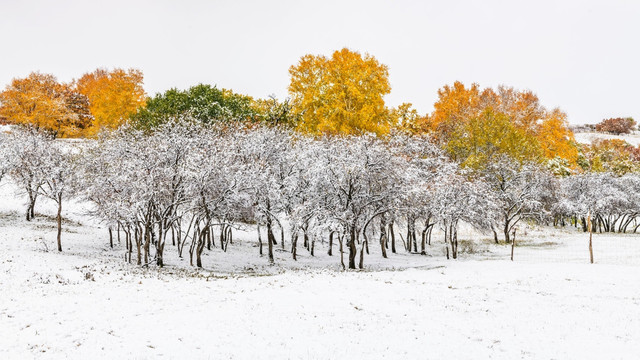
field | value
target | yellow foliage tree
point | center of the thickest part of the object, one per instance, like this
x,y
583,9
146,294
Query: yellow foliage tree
x,y
406,118
478,141
340,95
555,137
114,96
39,100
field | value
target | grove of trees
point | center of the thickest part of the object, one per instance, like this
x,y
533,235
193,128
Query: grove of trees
x,y
333,163
190,184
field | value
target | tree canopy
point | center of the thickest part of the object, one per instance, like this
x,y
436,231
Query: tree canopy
x,y
343,94
40,101
491,119
204,103
113,95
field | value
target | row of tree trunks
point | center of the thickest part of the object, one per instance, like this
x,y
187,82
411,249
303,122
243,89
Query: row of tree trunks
x,y
451,239
411,234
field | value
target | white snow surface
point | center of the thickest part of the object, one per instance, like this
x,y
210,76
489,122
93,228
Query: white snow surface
x,y
88,303
589,137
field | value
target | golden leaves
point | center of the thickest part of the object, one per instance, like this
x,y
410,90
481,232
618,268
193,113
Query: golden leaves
x,y
114,96
40,101
459,108
340,95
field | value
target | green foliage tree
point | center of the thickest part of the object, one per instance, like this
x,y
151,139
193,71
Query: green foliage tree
x,y
204,103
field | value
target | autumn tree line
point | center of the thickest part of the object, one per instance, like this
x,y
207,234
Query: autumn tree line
x,y
332,163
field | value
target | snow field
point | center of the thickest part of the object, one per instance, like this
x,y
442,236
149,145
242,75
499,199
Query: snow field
x,y
88,303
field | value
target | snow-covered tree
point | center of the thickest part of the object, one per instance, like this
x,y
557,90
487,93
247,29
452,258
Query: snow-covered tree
x,y
521,191
59,178
265,154
25,151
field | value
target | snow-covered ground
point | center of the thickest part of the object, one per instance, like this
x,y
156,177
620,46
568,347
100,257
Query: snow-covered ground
x,y
588,137
86,302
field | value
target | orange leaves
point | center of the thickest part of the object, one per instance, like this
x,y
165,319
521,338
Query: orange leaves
x,y
99,99
340,95
458,105
114,96
40,101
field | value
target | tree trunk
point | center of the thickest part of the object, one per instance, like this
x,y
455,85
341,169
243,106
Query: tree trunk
x,y
313,244
423,243
506,230
294,245
590,238
352,248
110,237
446,239
160,245
32,204
393,238
202,242
340,239
259,240
223,238
513,243
270,239
192,245
383,239
139,244
366,245
147,242
407,246
361,263
59,221
127,236
330,252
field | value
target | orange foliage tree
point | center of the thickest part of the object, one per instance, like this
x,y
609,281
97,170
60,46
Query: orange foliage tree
x,y
342,94
39,100
457,105
616,125
114,96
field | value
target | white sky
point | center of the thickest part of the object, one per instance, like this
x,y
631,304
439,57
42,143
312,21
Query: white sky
x,y
581,56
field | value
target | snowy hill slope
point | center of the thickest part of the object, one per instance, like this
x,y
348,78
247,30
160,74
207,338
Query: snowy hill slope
x,y
589,137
